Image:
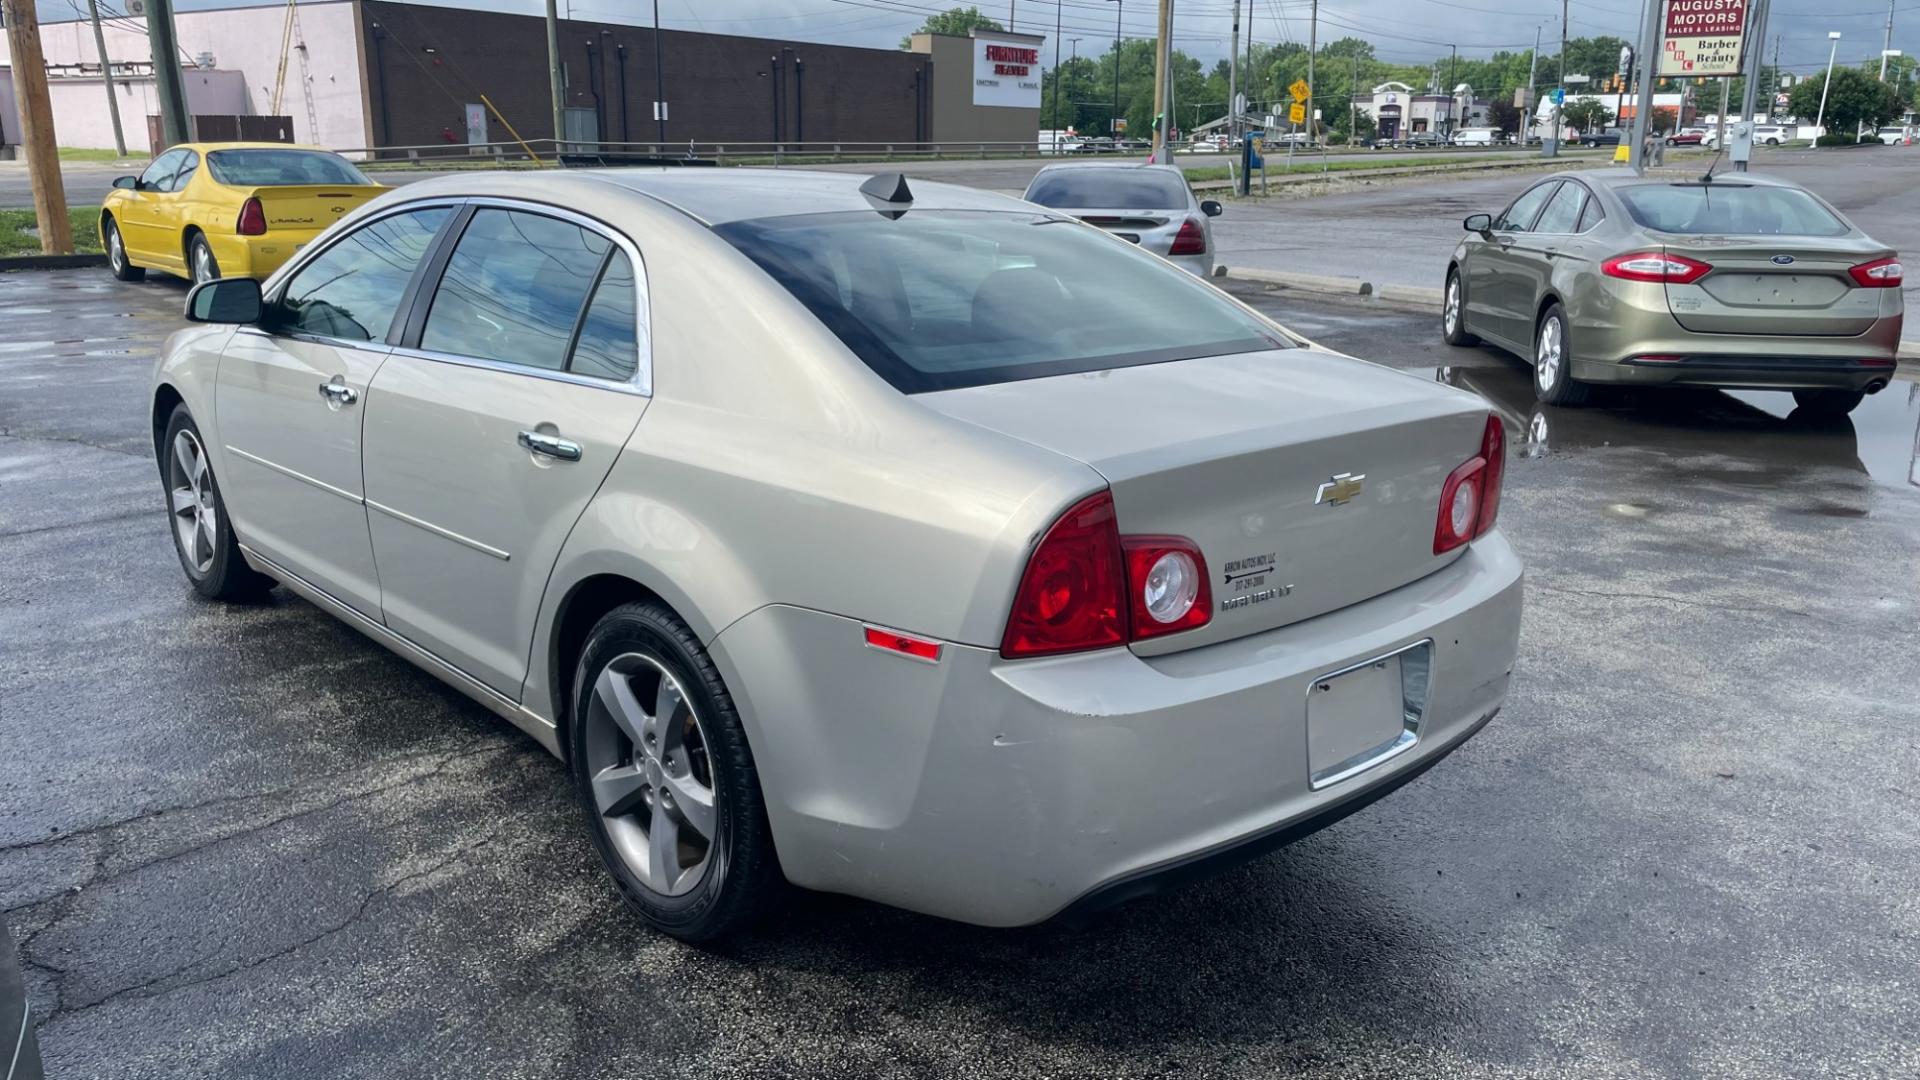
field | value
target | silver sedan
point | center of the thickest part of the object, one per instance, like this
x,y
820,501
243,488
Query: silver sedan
x,y
908,542
1149,205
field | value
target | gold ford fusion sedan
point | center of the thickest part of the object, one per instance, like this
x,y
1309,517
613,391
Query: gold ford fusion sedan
x,y
1735,281
913,543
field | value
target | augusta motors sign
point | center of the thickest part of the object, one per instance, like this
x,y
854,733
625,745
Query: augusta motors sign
x,y
1703,37
1006,70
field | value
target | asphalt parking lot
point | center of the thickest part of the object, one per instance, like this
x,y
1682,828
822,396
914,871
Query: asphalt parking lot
x,y
247,842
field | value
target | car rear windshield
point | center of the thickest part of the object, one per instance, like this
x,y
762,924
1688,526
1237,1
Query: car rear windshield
x,y
1730,209
281,168
1109,189
940,300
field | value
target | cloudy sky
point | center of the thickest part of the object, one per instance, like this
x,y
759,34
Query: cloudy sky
x,y
1401,30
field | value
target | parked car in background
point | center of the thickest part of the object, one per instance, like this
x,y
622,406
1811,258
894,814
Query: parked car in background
x,y
1685,138
1422,139
1603,137
1477,136
1896,136
1752,283
1023,523
1149,205
1763,135
208,210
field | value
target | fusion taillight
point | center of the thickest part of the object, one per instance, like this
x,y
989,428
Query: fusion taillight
x,y
1167,580
253,219
1884,273
1470,499
1088,587
1655,266
1190,240
1071,595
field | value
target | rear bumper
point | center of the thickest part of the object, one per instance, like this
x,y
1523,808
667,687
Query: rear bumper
x,y
1003,793
256,256
1743,372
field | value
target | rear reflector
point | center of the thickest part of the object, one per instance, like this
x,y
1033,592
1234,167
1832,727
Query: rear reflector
x,y
1493,447
1191,239
1655,266
1655,358
1884,273
904,644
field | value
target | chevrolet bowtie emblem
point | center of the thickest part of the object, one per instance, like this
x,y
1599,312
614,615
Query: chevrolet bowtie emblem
x,y
1340,490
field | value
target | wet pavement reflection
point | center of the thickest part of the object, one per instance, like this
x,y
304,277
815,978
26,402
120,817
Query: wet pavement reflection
x,y
1760,429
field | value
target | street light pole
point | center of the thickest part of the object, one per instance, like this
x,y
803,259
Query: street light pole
x,y
1114,119
1550,146
1834,37
1057,9
113,103
659,78
1453,89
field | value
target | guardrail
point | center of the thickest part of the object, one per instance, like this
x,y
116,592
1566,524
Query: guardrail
x,y
547,151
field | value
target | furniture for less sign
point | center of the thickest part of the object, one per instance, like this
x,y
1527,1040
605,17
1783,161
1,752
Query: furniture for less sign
x,y
1702,38
1006,70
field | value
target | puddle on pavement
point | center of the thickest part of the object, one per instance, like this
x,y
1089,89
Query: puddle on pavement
x,y
1757,433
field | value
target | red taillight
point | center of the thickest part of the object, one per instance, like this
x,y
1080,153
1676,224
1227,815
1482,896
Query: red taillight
x,y
1088,587
1167,582
1470,499
253,219
1191,240
1070,597
1884,273
1655,266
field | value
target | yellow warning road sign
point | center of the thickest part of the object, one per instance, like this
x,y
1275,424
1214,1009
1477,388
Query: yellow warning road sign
x,y
1300,90
1297,113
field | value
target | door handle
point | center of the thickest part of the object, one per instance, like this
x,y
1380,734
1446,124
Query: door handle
x,y
552,446
338,394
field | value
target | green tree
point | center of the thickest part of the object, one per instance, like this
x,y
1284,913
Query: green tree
x,y
1853,98
1665,119
956,21
1502,113
1586,114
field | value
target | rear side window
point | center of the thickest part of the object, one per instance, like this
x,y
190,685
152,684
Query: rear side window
x,y
938,300
1109,189
281,168
607,346
514,289
1730,209
1519,217
1591,216
1563,210
351,290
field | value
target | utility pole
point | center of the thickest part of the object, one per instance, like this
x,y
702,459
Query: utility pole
x,y
175,122
556,85
1057,9
1313,46
36,122
1550,146
660,81
1353,102
1162,95
1233,78
1533,107
1453,90
1113,120
1010,4
106,77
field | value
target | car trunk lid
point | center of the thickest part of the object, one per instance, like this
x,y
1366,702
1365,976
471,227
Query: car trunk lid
x,y
311,207
1151,229
1787,286
1308,481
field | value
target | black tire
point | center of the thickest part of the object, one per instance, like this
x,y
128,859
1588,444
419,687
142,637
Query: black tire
x,y
1553,383
217,571
1671,142
1773,142
116,245
1453,311
739,871
197,250
1827,404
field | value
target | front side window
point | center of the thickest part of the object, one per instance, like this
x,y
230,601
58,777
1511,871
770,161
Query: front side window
x,y
938,300
161,170
1563,210
1519,217
352,290
184,173
1109,188
514,289
1730,209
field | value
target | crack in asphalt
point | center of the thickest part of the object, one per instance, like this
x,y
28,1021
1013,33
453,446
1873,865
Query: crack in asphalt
x,y
360,910
57,526
10,433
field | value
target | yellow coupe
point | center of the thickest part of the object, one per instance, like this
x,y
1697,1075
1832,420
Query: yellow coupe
x,y
208,210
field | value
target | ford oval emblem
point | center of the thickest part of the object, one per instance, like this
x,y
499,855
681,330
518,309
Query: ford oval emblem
x,y
1783,260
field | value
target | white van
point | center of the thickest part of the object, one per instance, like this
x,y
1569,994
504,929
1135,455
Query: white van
x,y
1477,136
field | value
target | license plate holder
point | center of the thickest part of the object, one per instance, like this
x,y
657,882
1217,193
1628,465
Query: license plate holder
x,y
1366,714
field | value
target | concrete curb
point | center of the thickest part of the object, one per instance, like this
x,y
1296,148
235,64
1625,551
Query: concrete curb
x,y
1388,171
1409,297
50,262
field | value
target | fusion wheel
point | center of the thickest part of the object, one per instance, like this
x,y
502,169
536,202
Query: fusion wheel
x,y
1453,315
1553,380
202,533
665,777
117,254
200,259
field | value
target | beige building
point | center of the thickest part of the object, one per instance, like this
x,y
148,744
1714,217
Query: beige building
x,y
986,86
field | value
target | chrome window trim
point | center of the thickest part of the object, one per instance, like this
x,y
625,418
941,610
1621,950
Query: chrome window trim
x,y
641,382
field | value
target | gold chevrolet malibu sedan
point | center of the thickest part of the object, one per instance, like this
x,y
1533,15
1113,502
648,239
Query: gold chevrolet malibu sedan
x,y
1736,281
917,543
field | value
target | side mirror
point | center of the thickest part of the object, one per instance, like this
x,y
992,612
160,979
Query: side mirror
x,y
1480,223
225,300
127,183
1211,208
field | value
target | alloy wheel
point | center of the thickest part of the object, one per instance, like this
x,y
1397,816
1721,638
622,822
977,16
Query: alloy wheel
x,y
651,776
1452,314
1548,357
190,487
202,262
116,251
